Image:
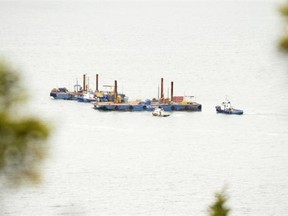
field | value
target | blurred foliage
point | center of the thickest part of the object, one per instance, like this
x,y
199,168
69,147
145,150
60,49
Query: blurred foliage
x,y
218,208
22,140
284,10
283,42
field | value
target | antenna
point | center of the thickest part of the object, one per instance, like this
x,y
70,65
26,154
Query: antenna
x,y
226,98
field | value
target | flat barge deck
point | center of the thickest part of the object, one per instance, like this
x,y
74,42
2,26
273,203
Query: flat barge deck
x,y
134,106
177,103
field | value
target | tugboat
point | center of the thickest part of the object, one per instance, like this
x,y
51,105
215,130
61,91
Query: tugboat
x,y
226,108
160,112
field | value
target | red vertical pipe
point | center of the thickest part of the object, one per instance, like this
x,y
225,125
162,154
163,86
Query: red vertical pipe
x,y
97,83
162,88
172,86
115,91
84,82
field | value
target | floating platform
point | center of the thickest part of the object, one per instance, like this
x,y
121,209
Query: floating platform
x,y
64,94
111,100
108,106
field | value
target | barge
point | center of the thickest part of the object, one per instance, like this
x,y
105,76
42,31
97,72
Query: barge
x,y
64,94
85,94
177,103
108,106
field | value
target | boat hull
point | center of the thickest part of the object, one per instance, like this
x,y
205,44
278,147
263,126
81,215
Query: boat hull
x,y
230,112
144,107
161,115
63,96
86,100
181,107
122,107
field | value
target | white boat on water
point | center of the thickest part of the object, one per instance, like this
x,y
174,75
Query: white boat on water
x,y
160,112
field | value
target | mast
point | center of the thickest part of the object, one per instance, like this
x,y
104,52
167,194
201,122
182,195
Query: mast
x,y
115,91
172,86
162,91
84,82
97,83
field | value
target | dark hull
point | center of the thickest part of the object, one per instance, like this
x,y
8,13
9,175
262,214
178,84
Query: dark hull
x,y
86,100
141,107
231,112
63,96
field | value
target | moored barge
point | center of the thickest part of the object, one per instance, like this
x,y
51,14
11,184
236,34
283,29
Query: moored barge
x,y
177,103
110,106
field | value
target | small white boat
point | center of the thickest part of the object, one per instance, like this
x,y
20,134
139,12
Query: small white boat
x,y
160,112
87,97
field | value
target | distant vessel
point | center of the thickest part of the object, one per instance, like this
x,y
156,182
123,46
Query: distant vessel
x,y
85,94
87,97
160,112
64,94
110,100
226,108
178,103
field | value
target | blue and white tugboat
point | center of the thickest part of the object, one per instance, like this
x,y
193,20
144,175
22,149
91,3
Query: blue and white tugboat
x,y
226,108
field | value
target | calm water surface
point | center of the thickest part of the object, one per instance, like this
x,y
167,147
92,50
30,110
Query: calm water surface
x,y
131,163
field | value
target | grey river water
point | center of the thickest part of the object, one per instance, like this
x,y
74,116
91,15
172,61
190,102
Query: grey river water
x,y
128,163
